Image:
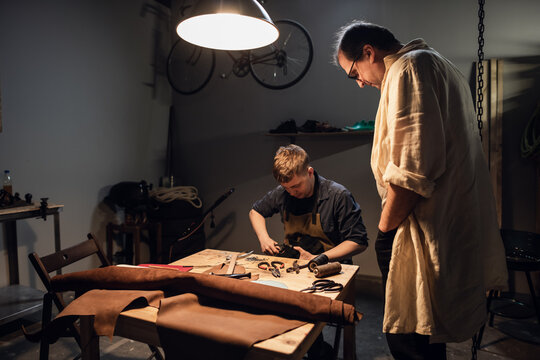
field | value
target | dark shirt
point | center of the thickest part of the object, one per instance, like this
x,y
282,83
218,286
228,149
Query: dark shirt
x,y
340,214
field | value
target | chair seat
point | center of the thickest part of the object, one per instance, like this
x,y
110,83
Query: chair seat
x,y
521,263
522,254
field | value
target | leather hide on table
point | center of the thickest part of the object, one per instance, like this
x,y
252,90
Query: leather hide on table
x,y
199,315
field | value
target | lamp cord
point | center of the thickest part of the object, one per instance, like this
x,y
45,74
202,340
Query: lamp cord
x,y
480,65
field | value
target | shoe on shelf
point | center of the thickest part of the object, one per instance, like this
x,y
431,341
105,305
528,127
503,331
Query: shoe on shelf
x,y
309,126
312,126
286,127
326,127
361,125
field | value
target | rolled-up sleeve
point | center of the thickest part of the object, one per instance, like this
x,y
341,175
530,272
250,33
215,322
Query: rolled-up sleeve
x,y
270,203
351,226
416,131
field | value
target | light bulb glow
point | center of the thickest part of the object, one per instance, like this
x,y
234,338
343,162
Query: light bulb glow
x,y
226,31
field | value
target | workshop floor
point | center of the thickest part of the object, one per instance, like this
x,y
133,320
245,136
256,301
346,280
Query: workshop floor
x,y
370,343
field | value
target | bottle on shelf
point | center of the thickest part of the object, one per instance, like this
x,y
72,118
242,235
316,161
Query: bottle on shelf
x,y
7,184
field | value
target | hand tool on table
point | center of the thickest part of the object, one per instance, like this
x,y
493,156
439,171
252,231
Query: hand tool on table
x,y
296,268
234,276
324,285
325,270
240,256
232,264
273,267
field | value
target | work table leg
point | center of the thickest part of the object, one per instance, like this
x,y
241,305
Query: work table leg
x,y
10,233
57,244
89,339
349,336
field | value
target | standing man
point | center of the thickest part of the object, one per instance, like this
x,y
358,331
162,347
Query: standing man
x,y
438,245
320,216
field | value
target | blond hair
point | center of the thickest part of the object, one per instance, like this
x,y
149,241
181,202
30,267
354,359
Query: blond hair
x,y
289,161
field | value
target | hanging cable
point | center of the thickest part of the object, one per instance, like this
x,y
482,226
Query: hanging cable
x,y
480,67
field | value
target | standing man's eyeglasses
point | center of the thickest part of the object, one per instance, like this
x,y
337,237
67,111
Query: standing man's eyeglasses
x,y
353,77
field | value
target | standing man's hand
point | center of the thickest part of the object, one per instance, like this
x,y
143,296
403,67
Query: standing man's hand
x,y
304,255
269,246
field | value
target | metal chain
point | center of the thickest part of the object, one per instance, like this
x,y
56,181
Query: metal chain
x,y
480,98
479,113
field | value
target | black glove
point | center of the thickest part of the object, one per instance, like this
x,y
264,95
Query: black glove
x,y
288,251
386,236
383,249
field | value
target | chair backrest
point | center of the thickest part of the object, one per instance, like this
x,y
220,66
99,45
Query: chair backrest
x,y
522,249
516,242
56,261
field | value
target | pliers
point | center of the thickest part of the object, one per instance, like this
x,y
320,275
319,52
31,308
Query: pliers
x,y
296,268
273,267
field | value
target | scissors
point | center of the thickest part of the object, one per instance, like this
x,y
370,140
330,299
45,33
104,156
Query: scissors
x,y
324,285
273,267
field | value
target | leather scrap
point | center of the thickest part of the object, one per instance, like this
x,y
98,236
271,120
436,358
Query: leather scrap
x,y
105,306
199,327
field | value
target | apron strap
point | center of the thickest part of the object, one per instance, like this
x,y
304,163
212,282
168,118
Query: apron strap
x,y
315,203
315,200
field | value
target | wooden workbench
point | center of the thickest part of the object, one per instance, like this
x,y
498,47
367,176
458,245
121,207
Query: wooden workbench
x,y
140,324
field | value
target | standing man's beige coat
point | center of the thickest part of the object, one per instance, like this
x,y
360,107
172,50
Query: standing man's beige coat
x,y
448,251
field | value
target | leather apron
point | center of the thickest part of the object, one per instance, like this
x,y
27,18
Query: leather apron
x,y
305,230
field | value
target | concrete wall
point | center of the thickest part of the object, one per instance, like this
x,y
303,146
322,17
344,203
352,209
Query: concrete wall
x,y
77,114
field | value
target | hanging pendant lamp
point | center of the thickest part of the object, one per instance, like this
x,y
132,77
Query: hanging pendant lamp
x,y
228,25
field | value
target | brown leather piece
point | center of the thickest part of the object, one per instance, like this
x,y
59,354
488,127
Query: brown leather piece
x,y
199,327
301,306
105,306
238,269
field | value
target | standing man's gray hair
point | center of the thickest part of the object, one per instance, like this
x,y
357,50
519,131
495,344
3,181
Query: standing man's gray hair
x,y
351,38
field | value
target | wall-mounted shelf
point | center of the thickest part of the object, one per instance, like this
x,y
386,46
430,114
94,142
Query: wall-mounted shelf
x,y
292,136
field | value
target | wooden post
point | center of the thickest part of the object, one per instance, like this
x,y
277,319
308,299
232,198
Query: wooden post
x,y
492,126
495,135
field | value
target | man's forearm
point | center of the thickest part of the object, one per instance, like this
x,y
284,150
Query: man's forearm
x,y
258,223
344,250
400,202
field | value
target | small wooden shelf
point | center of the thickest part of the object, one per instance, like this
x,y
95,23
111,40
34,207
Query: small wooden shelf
x,y
293,136
18,300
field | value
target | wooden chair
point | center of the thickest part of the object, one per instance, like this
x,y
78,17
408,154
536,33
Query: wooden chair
x,y
56,261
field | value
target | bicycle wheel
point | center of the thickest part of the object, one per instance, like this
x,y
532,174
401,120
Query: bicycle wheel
x,y
189,67
284,62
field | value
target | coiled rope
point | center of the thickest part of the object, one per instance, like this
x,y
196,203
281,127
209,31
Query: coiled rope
x,y
186,193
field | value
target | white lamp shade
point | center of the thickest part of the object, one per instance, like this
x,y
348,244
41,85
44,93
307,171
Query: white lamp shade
x,y
228,25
